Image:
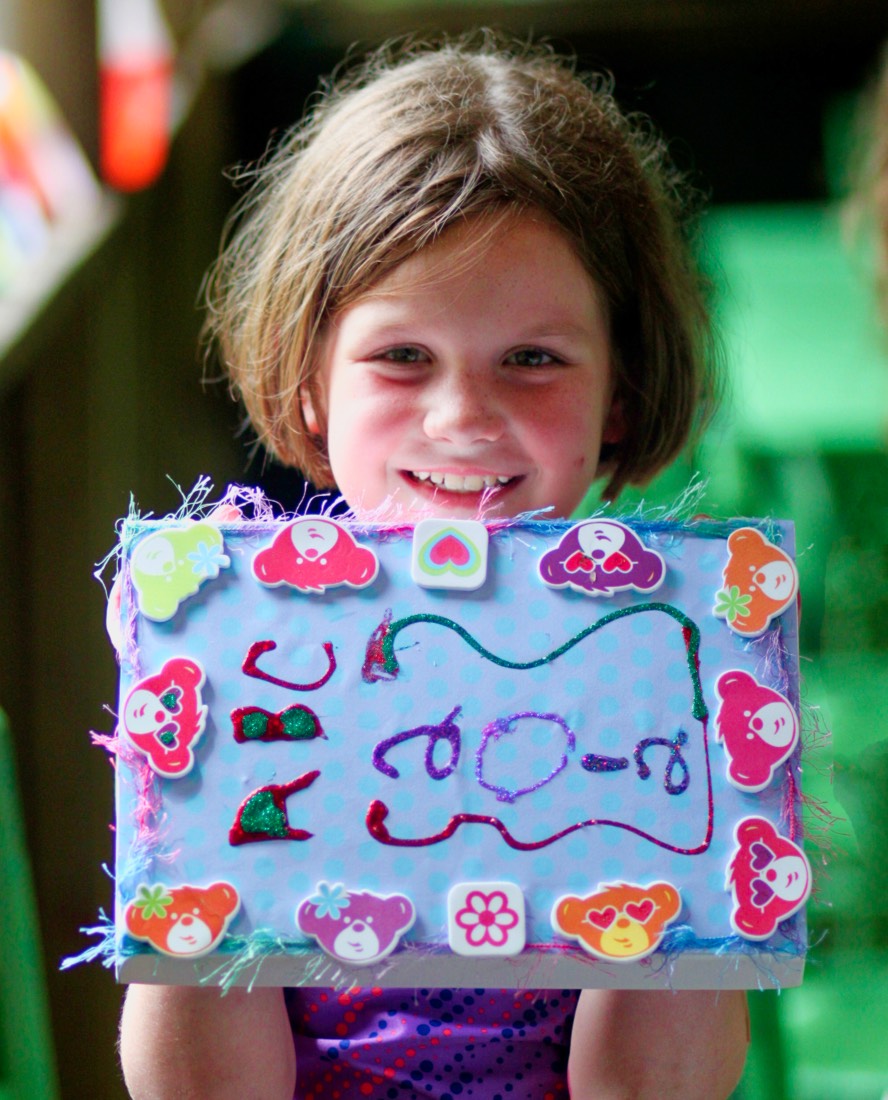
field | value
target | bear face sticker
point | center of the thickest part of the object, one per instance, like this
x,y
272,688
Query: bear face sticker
x,y
620,922
768,876
182,921
758,727
358,928
169,566
164,716
601,557
760,582
312,555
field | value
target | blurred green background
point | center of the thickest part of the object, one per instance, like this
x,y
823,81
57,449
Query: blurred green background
x,y
803,436
100,396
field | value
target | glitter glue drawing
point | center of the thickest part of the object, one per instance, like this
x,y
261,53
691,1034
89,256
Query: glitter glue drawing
x,y
505,782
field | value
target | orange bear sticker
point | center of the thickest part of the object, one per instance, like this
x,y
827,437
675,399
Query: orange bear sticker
x,y
621,922
760,583
182,921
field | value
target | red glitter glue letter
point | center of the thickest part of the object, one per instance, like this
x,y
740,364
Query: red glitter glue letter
x,y
263,814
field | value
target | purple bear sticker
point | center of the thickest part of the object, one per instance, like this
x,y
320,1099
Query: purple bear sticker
x,y
759,729
356,928
600,557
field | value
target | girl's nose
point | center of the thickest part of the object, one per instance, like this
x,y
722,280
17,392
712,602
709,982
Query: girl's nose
x,y
463,409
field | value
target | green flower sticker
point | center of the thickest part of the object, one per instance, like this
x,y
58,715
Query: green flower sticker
x,y
152,901
731,605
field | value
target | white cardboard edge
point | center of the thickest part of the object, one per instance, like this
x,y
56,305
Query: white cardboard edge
x,y
687,970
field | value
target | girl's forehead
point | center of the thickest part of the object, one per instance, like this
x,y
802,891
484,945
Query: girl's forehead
x,y
499,241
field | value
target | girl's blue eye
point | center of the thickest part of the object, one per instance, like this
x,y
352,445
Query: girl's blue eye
x,y
531,357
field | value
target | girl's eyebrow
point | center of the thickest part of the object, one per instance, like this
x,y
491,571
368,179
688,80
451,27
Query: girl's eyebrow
x,y
406,322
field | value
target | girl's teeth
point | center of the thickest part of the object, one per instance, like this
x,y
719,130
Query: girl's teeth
x,y
457,483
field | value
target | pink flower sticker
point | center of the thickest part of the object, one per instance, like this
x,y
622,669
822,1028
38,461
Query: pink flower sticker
x,y
486,918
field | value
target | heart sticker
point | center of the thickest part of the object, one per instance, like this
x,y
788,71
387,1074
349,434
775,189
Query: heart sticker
x,y
449,550
449,554
640,911
602,918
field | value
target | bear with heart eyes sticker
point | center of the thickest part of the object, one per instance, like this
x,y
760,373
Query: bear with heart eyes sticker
x,y
619,922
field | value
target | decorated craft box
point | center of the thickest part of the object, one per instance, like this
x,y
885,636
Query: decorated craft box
x,y
521,754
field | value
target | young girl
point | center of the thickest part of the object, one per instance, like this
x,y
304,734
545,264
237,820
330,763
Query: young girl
x,y
459,288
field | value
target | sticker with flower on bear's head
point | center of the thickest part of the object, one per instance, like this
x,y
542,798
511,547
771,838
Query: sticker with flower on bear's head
x,y
769,877
758,726
600,557
164,716
760,582
182,921
171,565
621,922
312,555
355,927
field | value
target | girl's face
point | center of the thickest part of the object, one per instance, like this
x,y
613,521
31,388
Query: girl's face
x,y
480,365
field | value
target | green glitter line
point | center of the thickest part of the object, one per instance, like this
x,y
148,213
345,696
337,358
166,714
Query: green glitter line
x,y
689,628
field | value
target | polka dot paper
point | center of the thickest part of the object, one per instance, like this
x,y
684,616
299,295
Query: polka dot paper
x,y
379,769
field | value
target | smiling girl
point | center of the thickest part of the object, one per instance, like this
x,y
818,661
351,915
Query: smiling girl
x,y
458,288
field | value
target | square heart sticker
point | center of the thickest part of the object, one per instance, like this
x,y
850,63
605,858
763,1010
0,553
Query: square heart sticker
x,y
449,553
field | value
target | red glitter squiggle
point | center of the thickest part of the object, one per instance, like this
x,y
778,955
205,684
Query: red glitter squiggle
x,y
258,648
378,812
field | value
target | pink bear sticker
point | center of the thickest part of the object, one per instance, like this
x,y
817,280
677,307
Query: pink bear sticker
x,y
357,928
164,715
315,554
769,877
758,727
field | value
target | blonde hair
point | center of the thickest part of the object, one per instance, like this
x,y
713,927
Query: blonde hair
x,y
418,138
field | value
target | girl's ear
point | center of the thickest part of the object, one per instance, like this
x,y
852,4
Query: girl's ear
x,y
309,416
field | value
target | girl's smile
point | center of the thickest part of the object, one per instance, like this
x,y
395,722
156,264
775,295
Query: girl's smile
x,y
476,373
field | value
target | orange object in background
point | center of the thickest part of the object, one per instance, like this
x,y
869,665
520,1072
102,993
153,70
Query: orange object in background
x,y
134,133
135,92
